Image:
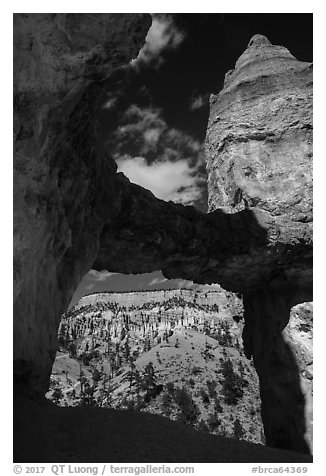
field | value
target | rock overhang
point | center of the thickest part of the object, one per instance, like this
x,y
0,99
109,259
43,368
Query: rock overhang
x,y
72,211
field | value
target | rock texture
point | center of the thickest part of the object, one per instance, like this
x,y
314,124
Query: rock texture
x,y
73,211
259,158
267,312
259,138
64,186
189,337
239,251
298,335
259,144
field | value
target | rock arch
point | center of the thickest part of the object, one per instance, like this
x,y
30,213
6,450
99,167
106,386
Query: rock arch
x,y
74,212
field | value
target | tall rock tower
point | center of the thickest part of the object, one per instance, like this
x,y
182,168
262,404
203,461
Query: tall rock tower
x,y
259,158
259,138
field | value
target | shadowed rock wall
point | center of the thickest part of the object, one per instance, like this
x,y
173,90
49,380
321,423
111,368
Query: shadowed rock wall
x,y
64,188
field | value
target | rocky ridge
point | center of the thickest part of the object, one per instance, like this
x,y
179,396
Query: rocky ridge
x,y
189,337
192,340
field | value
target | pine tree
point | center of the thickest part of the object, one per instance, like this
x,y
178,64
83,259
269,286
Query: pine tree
x,y
149,377
62,335
202,426
108,345
232,384
96,375
131,372
166,403
87,397
57,394
238,431
126,350
207,353
82,379
213,421
105,393
72,350
188,409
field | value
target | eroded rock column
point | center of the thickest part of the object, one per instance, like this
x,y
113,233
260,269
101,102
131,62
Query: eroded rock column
x,y
64,184
283,408
259,158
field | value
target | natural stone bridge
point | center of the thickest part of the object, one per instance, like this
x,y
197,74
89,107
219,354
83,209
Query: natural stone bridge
x,y
73,212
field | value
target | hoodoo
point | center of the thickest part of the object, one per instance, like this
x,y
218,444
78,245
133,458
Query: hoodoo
x,y
259,158
72,211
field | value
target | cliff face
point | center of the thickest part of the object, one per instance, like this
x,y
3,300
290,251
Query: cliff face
x,y
188,337
259,158
72,211
64,187
221,298
259,137
298,334
259,143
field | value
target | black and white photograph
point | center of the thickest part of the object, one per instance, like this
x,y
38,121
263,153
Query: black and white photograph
x,y
162,240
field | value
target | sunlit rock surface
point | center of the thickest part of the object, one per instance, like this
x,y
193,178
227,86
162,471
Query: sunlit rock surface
x,y
259,159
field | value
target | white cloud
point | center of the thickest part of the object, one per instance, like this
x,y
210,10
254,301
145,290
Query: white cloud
x,y
175,181
100,276
162,35
152,136
110,104
157,281
183,283
167,161
198,102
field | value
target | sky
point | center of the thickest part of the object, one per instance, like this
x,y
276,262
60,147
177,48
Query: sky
x,y
155,111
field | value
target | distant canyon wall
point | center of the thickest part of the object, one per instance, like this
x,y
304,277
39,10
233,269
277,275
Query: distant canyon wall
x,y
223,299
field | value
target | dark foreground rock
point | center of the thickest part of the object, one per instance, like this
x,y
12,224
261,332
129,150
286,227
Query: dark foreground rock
x,y
46,433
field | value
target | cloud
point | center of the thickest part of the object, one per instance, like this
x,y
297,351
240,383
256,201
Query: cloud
x,y
162,159
198,102
184,283
174,181
157,281
143,132
110,104
138,133
163,35
151,136
99,276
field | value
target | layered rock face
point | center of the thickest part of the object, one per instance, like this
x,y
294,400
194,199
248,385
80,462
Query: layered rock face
x,y
259,138
259,158
259,143
72,211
